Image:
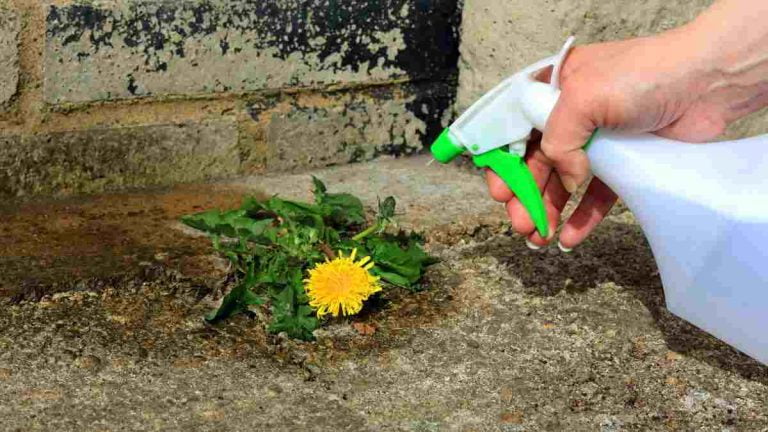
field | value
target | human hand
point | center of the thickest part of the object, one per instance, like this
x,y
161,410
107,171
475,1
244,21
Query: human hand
x,y
672,84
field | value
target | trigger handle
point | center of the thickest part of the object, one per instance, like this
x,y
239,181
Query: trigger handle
x,y
515,173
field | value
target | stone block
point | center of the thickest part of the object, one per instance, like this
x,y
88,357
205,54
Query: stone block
x,y
344,127
9,55
109,49
499,38
96,160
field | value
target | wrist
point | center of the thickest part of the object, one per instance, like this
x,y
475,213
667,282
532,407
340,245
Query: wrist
x,y
686,61
728,52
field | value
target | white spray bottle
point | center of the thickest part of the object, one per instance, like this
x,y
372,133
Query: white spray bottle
x,y
703,208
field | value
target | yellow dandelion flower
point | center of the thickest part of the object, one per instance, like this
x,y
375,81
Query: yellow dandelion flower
x,y
341,285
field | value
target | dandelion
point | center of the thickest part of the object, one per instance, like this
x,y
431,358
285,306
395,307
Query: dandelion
x,y
341,285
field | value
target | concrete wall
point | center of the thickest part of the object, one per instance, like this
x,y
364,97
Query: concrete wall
x,y
500,37
98,95
105,94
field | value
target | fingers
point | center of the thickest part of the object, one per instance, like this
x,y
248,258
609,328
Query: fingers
x,y
596,203
555,199
539,166
499,190
568,129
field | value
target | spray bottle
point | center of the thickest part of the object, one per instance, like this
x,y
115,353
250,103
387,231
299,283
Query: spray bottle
x,y
706,219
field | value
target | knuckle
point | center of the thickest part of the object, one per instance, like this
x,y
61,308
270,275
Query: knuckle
x,y
553,150
499,194
519,220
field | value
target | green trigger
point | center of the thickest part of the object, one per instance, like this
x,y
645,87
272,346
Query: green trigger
x,y
510,167
515,173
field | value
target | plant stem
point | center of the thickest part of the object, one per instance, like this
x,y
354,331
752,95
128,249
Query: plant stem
x,y
368,231
325,249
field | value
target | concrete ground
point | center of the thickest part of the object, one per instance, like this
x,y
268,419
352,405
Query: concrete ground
x,y
101,327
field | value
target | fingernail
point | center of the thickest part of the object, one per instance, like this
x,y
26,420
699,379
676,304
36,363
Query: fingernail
x,y
563,248
569,184
531,245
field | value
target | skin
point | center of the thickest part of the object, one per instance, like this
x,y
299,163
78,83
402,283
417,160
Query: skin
x,y
687,84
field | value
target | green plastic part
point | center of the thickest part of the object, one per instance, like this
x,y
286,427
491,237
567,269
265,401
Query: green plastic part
x,y
515,173
444,149
511,168
589,141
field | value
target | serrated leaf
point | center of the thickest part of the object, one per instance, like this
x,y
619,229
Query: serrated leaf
x,y
319,189
387,208
237,301
234,224
393,278
343,209
390,257
288,316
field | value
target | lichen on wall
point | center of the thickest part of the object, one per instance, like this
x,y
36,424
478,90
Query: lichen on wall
x,y
9,54
352,126
124,49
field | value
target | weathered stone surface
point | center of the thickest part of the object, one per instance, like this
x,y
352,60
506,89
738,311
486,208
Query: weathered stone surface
x,y
9,54
352,126
43,241
103,159
499,38
279,133
428,196
123,49
503,338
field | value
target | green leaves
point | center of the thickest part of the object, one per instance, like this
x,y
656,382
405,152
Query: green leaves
x,y
387,209
273,243
399,265
342,209
238,300
233,223
291,314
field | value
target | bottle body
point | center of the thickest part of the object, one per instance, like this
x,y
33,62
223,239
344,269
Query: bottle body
x,y
704,210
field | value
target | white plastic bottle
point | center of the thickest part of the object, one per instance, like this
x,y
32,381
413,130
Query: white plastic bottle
x,y
704,210
703,207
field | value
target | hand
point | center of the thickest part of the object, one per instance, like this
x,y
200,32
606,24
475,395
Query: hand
x,y
671,84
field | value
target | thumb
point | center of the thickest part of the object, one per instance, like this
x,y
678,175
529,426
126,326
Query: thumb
x,y
567,130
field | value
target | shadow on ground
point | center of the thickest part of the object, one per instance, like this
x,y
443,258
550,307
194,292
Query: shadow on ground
x,y
619,253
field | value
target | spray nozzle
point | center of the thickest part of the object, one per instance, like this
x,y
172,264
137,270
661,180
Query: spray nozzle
x,y
446,148
495,130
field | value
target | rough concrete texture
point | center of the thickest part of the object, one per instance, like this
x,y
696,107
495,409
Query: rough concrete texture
x,y
108,49
427,194
122,235
103,159
504,339
275,133
9,54
500,37
128,234
346,127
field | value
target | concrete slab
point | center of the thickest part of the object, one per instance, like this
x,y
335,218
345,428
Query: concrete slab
x,y
56,245
504,339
